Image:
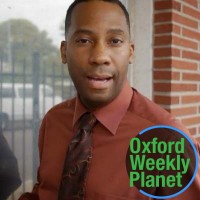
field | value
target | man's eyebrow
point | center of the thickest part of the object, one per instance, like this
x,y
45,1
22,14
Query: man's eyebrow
x,y
83,31
90,32
116,31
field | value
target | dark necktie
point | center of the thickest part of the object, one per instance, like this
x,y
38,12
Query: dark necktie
x,y
77,161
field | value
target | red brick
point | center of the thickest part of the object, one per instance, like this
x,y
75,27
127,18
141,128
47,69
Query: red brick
x,y
193,130
161,5
162,40
167,28
162,64
175,76
166,100
163,28
166,4
183,87
162,87
167,51
184,43
163,17
191,12
191,55
180,64
166,75
192,2
191,76
176,29
184,111
191,121
175,87
185,21
190,99
191,34
176,5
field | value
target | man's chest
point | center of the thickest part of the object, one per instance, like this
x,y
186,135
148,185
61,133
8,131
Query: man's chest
x,y
107,177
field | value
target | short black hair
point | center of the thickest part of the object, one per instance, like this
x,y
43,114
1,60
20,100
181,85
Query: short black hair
x,y
76,2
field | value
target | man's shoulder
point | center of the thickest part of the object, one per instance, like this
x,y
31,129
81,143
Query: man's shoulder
x,y
147,109
63,107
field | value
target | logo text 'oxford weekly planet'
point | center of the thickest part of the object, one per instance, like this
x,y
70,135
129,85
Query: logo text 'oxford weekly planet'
x,y
167,162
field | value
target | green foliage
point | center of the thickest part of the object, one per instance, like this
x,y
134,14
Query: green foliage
x,y
19,39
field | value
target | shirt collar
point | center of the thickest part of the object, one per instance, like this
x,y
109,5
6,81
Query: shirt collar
x,y
110,115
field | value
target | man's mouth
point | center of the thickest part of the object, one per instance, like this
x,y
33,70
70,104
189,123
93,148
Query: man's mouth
x,y
100,81
99,78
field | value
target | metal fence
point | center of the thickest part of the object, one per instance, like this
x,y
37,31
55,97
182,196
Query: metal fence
x,y
25,97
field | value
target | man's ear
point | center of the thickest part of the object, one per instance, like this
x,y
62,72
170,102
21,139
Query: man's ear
x,y
131,52
63,52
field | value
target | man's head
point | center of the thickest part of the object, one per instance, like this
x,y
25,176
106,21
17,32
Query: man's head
x,y
76,2
97,50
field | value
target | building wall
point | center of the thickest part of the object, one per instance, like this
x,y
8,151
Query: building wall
x,y
140,72
176,76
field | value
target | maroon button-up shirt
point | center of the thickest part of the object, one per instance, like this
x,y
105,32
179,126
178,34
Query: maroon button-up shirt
x,y
119,121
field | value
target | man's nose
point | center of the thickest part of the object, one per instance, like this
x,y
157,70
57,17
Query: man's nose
x,y
100,55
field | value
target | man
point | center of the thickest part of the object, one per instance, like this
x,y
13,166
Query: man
x,y
97,50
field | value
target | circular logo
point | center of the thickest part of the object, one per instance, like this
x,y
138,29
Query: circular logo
x,y
161,162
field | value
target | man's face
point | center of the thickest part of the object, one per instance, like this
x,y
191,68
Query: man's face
x,y
97,50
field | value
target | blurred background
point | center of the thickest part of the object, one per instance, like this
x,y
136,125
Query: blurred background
x,y
32,80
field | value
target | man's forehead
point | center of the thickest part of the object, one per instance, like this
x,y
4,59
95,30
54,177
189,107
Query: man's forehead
x,y
97,8
98,14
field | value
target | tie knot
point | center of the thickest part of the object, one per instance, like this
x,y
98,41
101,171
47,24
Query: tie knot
x,y
87,121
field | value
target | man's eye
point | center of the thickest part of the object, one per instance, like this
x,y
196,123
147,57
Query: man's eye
x,y
116,41
83,41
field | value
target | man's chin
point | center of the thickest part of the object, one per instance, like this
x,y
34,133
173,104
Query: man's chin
x,y
97,100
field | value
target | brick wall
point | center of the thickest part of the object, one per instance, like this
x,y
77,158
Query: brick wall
x,y
176,63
